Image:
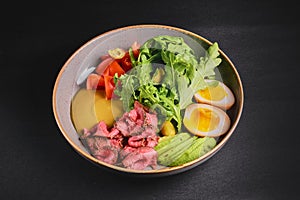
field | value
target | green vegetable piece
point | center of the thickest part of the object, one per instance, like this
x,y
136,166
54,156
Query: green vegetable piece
x,y
176,140
175,152
127,90
199,147
131,56
137,77
186,91
142,72
152,96
158,75
204,70
116,53
163,141
210,61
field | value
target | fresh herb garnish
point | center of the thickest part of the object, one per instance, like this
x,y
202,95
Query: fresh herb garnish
x,y
204,70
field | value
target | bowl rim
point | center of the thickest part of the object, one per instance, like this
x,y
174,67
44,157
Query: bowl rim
x,y
188,165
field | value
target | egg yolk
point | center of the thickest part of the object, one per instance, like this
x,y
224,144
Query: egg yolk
x,y
216,93
203,119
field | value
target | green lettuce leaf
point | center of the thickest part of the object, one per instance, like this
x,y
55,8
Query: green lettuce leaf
x,y
210,61
204,70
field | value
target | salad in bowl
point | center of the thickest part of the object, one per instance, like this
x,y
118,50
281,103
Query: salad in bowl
x,y
148,99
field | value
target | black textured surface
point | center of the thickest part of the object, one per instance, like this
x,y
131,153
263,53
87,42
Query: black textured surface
x,y
260,161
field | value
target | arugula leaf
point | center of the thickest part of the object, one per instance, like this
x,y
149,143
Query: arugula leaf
x,y
172,51
160,97
125,88
210,61
127,84
131,56
170,78
205,69
186,91
170,81
142,72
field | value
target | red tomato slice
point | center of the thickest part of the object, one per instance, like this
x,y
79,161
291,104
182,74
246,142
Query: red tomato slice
x,y
92,81
109,86
101,82
114,68
126,62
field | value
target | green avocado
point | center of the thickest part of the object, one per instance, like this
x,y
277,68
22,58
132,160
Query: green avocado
x,y
168,157
199,147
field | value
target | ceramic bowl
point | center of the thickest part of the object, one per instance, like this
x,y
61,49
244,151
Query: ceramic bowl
x,y
88,55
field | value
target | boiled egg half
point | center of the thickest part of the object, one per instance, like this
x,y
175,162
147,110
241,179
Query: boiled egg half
x,y
216,94
206,120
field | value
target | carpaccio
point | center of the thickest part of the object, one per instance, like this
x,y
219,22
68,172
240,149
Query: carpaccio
x,y
129,143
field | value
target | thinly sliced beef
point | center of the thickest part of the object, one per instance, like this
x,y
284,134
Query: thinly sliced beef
x,y
117,141
135,131
142,141
94,143
140,110
126,150
152,141
106,154
136,121
101,148
133,115
151,120
122,127
141,158
137,141
101,129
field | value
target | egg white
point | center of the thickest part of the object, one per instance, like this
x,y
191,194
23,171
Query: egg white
x,y
225,103
221,128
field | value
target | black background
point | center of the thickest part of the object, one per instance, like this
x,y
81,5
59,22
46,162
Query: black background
x,y
261,159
